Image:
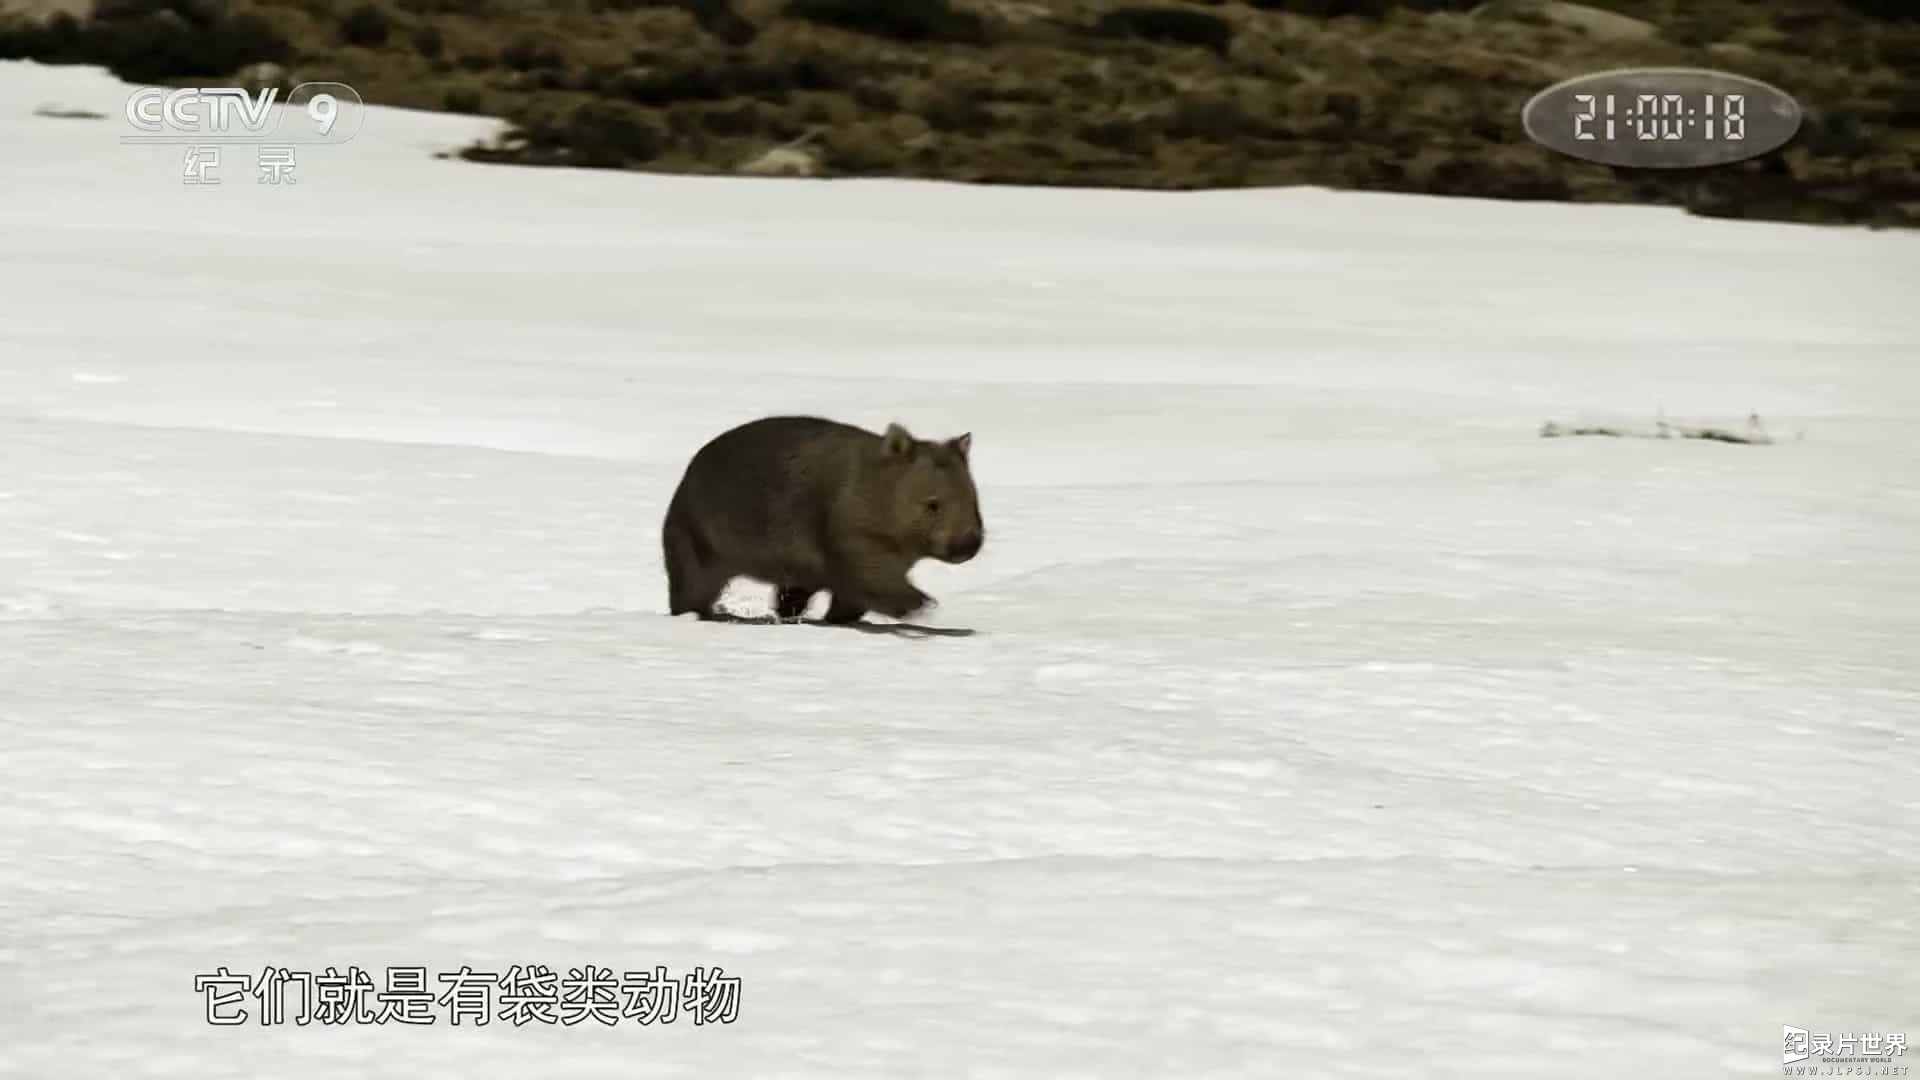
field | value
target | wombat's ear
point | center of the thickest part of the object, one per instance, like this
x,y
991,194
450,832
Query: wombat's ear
x,y
897,442
962,444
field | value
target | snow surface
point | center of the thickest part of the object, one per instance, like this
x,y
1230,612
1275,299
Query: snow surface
x,y
1318,718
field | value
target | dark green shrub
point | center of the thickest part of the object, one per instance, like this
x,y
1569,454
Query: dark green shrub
x,y
902,20
958,111
718,18
1835,133
876,97
367,26
609,133
463,99
1169,25
733,75
1214,119
1698,29
1370,9
197,12
595,134
145,41
530,53
744,119
860,149
450,7
690,81
1118,135
1890,10
165,46
1903,108
58,40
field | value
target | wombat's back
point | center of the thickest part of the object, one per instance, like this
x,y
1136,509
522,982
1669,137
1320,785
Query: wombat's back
x,y
780,438
760,491
775,457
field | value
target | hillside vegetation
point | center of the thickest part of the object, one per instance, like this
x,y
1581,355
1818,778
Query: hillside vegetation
x,y
1419,96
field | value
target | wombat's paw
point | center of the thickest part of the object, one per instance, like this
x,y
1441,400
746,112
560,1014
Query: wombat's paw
x,y
842,613
914,603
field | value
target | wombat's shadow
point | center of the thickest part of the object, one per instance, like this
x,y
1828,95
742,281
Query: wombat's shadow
x,y
912,630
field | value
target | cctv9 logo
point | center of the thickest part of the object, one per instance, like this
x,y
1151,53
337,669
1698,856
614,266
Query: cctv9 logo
x,y
328,112
313,112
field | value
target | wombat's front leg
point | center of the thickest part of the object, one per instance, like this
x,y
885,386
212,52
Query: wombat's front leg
x,y
843,612
897,599
873,580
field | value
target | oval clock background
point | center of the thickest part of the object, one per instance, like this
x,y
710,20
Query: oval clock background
x,y
1662,118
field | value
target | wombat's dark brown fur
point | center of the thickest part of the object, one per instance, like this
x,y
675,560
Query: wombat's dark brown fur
x,y
806,504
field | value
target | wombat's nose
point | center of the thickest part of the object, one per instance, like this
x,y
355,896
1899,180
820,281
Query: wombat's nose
x,y
967,547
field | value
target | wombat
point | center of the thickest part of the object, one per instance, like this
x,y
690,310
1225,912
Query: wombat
x,y
806,504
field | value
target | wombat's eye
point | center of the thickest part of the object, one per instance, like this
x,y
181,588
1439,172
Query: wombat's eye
x,y
933,506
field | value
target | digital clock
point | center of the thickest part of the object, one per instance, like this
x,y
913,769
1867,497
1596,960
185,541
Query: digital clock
x,y
1662,118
